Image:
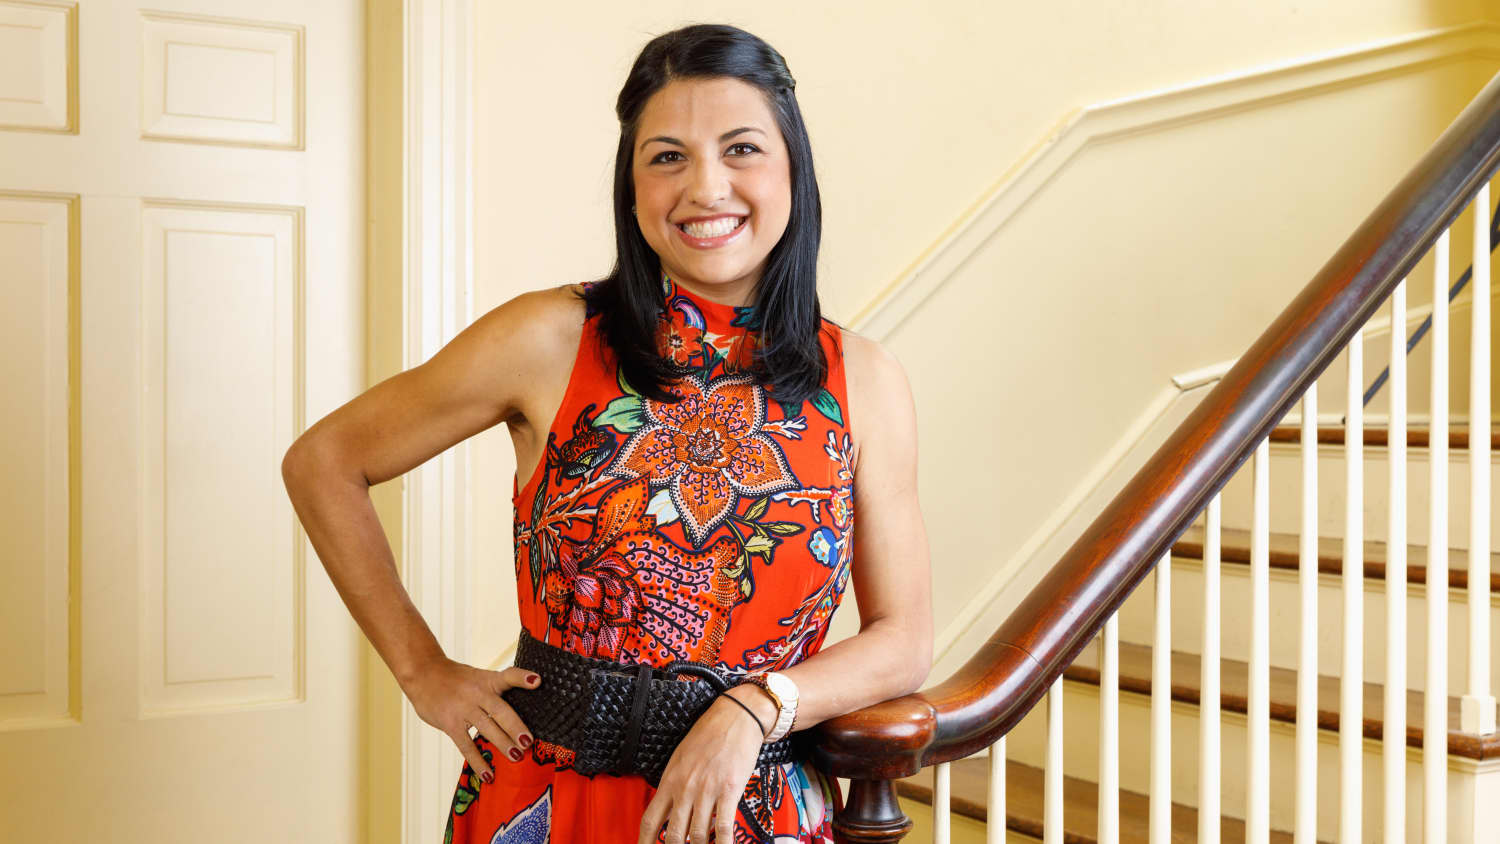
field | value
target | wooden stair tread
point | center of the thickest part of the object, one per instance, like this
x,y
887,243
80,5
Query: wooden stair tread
x,y
1285,553
1417,436
969,784
1135,676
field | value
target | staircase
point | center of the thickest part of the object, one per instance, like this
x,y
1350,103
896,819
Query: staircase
x,y
1280,629
1024,821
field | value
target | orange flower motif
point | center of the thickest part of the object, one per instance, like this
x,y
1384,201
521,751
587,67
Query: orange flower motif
x,y
677,338
707,449
741,355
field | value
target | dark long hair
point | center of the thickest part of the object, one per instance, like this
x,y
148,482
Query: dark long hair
x,y
789,360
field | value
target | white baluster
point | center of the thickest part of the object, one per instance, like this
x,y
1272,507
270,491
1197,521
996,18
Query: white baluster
x,y
940,800
1351,683
1160,813
1435,695
1109,732
994,829
1307,664
1052,788
1258,708
1208,709
1394,736
1479,704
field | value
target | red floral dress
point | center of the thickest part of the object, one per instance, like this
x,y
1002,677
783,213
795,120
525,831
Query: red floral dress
x,y
715,529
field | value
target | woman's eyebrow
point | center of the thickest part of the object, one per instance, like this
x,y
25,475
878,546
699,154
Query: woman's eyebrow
x,y
722,138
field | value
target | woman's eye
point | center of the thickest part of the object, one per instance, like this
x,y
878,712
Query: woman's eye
x,y
660,159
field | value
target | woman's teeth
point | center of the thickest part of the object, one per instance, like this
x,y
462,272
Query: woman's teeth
x,y
712,228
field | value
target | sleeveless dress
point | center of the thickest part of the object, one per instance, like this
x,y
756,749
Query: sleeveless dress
x,y
716,529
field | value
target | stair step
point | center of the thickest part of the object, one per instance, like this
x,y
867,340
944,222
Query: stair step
x,y
1286,493
1285,553
969,778
1135,676
1416,436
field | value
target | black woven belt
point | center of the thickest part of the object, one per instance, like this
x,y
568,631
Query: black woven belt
x,y
621,718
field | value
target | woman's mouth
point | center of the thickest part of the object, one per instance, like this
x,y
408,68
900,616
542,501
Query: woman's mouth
x,y
710,234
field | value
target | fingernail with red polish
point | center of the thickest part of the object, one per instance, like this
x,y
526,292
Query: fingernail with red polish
x,y
525,741
488,777
531,678
515,754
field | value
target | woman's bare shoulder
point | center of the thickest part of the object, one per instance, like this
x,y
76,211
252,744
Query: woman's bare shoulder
x,y
555,307
537,323
870,364
879,395
518,348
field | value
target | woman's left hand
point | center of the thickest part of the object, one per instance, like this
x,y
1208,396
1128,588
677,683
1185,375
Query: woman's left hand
x,y
705,777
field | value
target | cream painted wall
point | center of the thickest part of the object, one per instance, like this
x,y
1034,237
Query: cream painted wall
x,y
1145,256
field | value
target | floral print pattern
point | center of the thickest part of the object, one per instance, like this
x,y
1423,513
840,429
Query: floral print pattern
x,y
716,528
707,449
679,335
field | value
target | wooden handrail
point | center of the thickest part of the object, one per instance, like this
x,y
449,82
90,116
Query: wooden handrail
x,y
1008,675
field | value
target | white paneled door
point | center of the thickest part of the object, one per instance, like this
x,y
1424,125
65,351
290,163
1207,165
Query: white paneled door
x,y
181,265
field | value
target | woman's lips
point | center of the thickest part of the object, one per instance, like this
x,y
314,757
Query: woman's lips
x,y
712,242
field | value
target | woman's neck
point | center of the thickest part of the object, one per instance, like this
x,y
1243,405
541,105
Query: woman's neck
x,y
734,294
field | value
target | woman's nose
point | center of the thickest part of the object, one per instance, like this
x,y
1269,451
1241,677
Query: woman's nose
x,y
710,184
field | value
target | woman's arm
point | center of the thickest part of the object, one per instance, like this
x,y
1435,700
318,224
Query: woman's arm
x,y
892,653
489,373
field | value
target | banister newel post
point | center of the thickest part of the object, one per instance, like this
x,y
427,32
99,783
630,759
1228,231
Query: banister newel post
x,y
871,814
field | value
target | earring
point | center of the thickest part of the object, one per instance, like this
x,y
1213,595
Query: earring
x,y
632,209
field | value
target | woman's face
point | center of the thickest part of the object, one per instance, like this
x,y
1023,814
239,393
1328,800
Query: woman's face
x,y
708,154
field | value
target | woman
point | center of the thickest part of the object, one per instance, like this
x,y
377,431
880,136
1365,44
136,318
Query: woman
x,y
692,431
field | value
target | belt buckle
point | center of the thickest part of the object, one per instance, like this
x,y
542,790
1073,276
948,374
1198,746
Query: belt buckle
x,y
637,717
602,735
640,677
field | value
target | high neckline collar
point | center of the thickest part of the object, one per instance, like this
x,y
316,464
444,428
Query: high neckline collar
x,y
722,318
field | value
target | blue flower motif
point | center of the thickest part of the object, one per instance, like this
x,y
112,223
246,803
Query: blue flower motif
x,y
822,544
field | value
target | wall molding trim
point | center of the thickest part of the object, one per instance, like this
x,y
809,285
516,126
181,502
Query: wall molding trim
x,y
1151,111
1378,326
1146,112
437,303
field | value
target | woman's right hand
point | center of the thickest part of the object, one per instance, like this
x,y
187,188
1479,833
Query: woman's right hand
x,y
451,696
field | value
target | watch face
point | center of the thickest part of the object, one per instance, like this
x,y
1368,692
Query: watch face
x,y
782,686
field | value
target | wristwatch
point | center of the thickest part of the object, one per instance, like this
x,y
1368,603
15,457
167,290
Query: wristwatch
x,y
783,690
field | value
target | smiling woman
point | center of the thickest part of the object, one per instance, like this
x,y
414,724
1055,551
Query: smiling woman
x,y
691,489
715,209
710,131
689,432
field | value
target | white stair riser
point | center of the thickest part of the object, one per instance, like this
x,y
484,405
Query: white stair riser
x,y
1136,619
1027,744
1286,495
